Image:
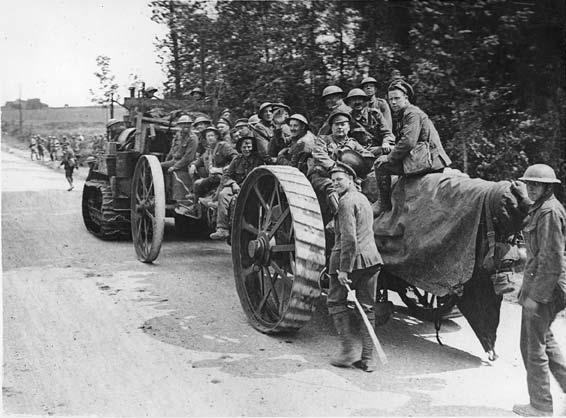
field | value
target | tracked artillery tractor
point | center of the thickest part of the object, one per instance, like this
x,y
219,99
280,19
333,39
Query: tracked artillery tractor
x,y
126,192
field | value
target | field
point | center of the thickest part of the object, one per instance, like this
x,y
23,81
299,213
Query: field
x,y
85,120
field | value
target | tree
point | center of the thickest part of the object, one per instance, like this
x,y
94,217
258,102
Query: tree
x,y
107,87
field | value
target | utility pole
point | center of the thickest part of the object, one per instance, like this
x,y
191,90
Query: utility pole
x,y
20,110
111,105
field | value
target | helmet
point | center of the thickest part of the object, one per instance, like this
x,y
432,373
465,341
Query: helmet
x,y
211,129
368,80
241,122
185,119
263,106
356,161
357,93
281,106
150,88
540,173
331,90
196,90
90,159
112,122
225,121
201,119
298,117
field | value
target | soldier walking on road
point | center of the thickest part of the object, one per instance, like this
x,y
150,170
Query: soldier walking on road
x,y
543,293
69,163
356,261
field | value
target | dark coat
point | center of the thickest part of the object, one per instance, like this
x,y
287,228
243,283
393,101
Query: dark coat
x,y
354,246
413,125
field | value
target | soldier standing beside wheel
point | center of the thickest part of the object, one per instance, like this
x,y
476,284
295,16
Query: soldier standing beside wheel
x,y
417,149
543,292
181,154
356,261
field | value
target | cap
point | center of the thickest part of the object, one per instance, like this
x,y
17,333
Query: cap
x,y
211,129
403,86
337,113
241,122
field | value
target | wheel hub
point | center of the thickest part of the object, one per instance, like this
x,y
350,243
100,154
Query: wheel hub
x,y
258,249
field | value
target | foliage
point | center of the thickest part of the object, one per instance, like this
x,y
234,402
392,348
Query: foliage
x,y
107,86
490,73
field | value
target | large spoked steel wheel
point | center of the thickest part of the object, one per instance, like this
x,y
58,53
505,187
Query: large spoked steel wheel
x,y
426,305
148,208
277,248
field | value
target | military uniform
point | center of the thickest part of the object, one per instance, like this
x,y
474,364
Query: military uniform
x,y
374,123
544,281
326,129
181,154
264,134
383,107
325,153
298,150
219,157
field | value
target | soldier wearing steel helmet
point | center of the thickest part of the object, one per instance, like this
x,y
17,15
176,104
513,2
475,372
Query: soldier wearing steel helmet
x,y
369,86
543,292
378,136
301,145
264,130
333,100
326,152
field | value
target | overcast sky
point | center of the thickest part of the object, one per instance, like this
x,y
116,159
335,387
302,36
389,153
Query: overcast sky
x,y
49,47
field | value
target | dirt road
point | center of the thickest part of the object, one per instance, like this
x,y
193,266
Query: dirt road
x,y
88,330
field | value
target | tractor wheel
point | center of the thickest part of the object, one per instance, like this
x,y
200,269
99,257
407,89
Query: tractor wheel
x,y
148,208
278,248
98,212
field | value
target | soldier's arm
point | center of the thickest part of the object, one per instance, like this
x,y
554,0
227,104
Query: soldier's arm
x,y
386,112
188,157
348,242
320,154
384,130
408,137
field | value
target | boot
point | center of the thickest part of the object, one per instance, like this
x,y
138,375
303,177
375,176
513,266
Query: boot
x,y
383,202
346,356
368,362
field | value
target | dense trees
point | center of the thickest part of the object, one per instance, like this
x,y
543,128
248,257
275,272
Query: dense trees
x,y
490,73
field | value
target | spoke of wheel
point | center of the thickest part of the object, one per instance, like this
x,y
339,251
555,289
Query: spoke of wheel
x,y
278,223
278,269
432,299
283,248
260,197
250,228
248,270
271,281
266,293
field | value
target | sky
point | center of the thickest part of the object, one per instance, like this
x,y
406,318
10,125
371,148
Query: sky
x,y
49,48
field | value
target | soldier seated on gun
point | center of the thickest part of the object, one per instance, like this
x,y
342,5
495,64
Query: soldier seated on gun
x,y
182,153
326,151
206,172
301,145
233,177
379,138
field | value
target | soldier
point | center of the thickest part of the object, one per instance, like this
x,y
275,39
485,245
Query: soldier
x,y
378,134
241,128
199,125
355,261
417,150
149,92
69,163
543,292
369,86
300,146
264,129
224,125
209,167
197,94
232,178
332,97
325,153
182,153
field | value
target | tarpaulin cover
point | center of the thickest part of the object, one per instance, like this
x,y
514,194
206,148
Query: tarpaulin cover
x,y
429,238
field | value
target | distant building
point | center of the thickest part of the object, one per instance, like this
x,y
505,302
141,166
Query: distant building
x,y
30,104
